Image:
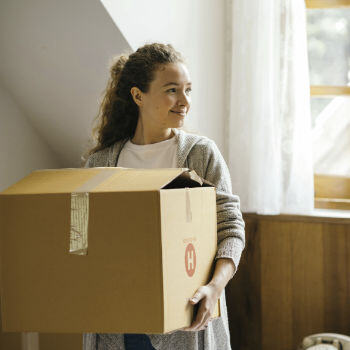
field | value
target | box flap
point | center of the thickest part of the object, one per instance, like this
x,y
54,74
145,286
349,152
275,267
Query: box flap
x,y
104,179
188,178
54,180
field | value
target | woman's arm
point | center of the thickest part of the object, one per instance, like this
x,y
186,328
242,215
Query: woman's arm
x,y
230,224
210,293
224,271
230,230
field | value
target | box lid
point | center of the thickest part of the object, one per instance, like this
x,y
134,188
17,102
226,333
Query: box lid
x,y
105,179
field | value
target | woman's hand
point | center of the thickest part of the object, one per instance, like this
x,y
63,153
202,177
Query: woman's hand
x,y
208,296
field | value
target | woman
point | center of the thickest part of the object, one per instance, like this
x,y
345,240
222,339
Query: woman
x,y
145,104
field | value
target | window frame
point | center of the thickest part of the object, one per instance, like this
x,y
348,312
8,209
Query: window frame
x,y
331,192
326,3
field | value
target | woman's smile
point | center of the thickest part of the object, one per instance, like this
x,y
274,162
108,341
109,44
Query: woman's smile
x,y
183,114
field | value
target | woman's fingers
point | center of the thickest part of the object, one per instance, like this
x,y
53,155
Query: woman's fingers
x,y
196,322
199,320
200,294
207,298
204,322
203,316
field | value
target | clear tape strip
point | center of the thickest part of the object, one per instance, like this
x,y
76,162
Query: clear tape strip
x,y
79,223
188,206
80,212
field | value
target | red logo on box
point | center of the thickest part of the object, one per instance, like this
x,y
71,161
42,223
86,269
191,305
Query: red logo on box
x,y
190,259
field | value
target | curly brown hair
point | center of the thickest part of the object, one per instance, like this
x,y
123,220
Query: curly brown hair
x,y
118,113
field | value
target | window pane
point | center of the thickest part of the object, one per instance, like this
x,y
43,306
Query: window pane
x,y
331,135
318,104
328,34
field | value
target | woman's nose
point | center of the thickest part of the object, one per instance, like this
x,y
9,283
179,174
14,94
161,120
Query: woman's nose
x,y
184,100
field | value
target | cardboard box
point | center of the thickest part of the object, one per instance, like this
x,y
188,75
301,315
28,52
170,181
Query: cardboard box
x,y
106,250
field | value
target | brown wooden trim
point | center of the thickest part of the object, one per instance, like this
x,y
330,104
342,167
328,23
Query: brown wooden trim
x,y
331,203
246,316
310,4
301,218
332,187
326,90
292,281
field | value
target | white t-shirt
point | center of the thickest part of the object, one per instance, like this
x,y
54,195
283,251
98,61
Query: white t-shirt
x,y
155,155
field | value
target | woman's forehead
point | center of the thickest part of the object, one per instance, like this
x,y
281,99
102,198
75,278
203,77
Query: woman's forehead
x,y
172,72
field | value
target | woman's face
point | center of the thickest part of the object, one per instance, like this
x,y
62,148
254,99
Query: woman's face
x,y
168,100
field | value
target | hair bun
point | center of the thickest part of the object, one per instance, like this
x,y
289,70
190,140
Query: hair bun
x,y
117,64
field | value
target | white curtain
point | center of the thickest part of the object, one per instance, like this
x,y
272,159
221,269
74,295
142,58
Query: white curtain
x,y
269,124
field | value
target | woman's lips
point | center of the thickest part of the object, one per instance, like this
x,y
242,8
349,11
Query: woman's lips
x,y
179,113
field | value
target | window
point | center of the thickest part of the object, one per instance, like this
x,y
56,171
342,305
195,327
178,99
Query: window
x,y
328,37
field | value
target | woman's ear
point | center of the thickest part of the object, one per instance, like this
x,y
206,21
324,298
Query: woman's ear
x,y
136,94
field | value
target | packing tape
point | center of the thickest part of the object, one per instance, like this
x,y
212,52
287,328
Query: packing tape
x,y
79,212
188,206
79,222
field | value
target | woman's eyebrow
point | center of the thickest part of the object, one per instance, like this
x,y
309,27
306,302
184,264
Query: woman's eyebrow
x,y
173,83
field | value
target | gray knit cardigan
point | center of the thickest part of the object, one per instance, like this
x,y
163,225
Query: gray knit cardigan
x,y
201,154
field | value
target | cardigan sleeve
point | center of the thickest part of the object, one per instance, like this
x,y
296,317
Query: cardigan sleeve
x,y
98,159
89,340
88,163
230,224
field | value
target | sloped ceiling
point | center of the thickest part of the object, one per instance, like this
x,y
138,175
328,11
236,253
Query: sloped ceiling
x,y
54,57
174,21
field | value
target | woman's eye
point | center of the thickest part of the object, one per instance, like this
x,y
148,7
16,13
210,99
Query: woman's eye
x,y
173,90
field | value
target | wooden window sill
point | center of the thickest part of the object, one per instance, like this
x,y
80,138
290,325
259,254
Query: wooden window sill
x,y
332,203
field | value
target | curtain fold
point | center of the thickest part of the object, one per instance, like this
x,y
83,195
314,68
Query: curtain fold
x,y
269,124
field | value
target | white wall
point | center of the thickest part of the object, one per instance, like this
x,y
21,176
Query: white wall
x,y
54,61
196,28
22,149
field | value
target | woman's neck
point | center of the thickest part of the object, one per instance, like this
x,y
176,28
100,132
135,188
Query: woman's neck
x,y
143,138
